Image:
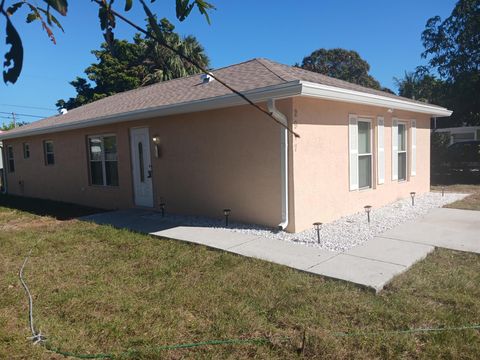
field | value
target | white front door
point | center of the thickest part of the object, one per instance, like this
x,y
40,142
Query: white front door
x,y
141,167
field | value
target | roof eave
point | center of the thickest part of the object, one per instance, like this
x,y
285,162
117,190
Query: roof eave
x,y
284,90
345,95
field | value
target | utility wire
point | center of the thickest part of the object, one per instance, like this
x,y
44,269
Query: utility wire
x,y
186,58
29,115
29,107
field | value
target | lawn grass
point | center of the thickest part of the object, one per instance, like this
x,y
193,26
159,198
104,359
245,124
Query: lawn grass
x,y
99,289
471,202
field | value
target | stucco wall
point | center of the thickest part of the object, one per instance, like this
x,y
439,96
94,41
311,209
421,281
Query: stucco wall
x,y
321,167
210,160
231,158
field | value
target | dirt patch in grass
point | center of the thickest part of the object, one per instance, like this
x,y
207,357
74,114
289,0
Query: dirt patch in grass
x,y
99,289
471,202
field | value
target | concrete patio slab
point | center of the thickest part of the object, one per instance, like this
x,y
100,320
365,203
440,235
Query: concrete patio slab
x,y
448,228
392,251
366,272
281,252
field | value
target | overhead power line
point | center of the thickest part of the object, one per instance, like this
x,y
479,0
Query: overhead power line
x,y
29,107
28,115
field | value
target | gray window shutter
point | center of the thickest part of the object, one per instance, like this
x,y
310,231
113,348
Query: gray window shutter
x,y
353,151
394,149
381,150
414,149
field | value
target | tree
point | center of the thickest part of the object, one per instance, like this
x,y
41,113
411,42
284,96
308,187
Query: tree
x,y
107,15
11,125
452,47
125,65
423,87
341,64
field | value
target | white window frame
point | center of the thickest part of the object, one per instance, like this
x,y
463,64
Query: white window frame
x,y
103,161
380,150
405,126
46,153
26,150
369,121
10,157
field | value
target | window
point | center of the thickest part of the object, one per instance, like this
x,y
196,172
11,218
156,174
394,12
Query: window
x,y
26,150
402,151
10,159
103,160
467,136
48,151
364,154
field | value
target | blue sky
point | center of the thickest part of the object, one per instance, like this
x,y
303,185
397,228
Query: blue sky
x,y
385,33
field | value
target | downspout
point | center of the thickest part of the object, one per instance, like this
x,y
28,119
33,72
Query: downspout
x,y
283,160
4,170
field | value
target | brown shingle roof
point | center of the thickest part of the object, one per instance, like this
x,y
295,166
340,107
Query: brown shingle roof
x,y
249,75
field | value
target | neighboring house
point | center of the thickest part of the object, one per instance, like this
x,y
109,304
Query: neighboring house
x,y
196,146
463,133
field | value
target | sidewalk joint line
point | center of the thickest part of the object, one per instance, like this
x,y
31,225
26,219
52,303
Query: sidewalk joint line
x,y
409,241
321,262
366,258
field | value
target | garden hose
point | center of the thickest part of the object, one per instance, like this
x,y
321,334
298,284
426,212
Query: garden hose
x,y
38,338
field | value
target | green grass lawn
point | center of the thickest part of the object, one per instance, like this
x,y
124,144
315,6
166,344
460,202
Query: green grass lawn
x,y
471,202
97,289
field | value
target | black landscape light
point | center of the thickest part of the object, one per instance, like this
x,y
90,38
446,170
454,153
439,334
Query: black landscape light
x,y
162,208
317,226
412,194
368,208
443,191
226,213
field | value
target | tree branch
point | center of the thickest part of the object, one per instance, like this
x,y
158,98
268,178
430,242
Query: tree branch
x,y
191,61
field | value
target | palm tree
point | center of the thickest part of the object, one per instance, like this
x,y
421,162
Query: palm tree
x,y
162,64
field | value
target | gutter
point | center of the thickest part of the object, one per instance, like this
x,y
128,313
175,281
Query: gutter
x,y
4,170
284,90
283,160
358,97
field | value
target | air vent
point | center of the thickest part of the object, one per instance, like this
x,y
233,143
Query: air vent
x,y
206,78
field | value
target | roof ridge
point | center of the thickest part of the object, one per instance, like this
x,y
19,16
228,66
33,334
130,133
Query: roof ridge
x,y
156,84
262,62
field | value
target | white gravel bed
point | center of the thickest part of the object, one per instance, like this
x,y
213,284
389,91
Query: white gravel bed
x,y
342,234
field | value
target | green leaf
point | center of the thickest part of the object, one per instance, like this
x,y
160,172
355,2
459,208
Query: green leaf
x,y
60,5
128,5
32,17
12,9
51,18
14,57
184,8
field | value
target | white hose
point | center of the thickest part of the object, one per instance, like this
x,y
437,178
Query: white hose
x,y
36,337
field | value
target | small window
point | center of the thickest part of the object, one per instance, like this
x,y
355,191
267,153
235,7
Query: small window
x,y
10,159
103,160
48,150
402,152
364,154
26,150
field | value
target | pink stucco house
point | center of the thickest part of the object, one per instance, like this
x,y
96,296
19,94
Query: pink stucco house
x,y
199,148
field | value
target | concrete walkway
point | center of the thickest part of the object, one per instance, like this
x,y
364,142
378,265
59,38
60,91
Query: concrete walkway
x,y
372,264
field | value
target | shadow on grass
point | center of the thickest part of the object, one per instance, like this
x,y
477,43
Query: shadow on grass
x,y
58,210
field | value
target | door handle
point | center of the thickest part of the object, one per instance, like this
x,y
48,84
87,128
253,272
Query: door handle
x,y
149,172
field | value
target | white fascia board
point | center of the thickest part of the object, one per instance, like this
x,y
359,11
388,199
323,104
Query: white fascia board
x,y
284,90
338,94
